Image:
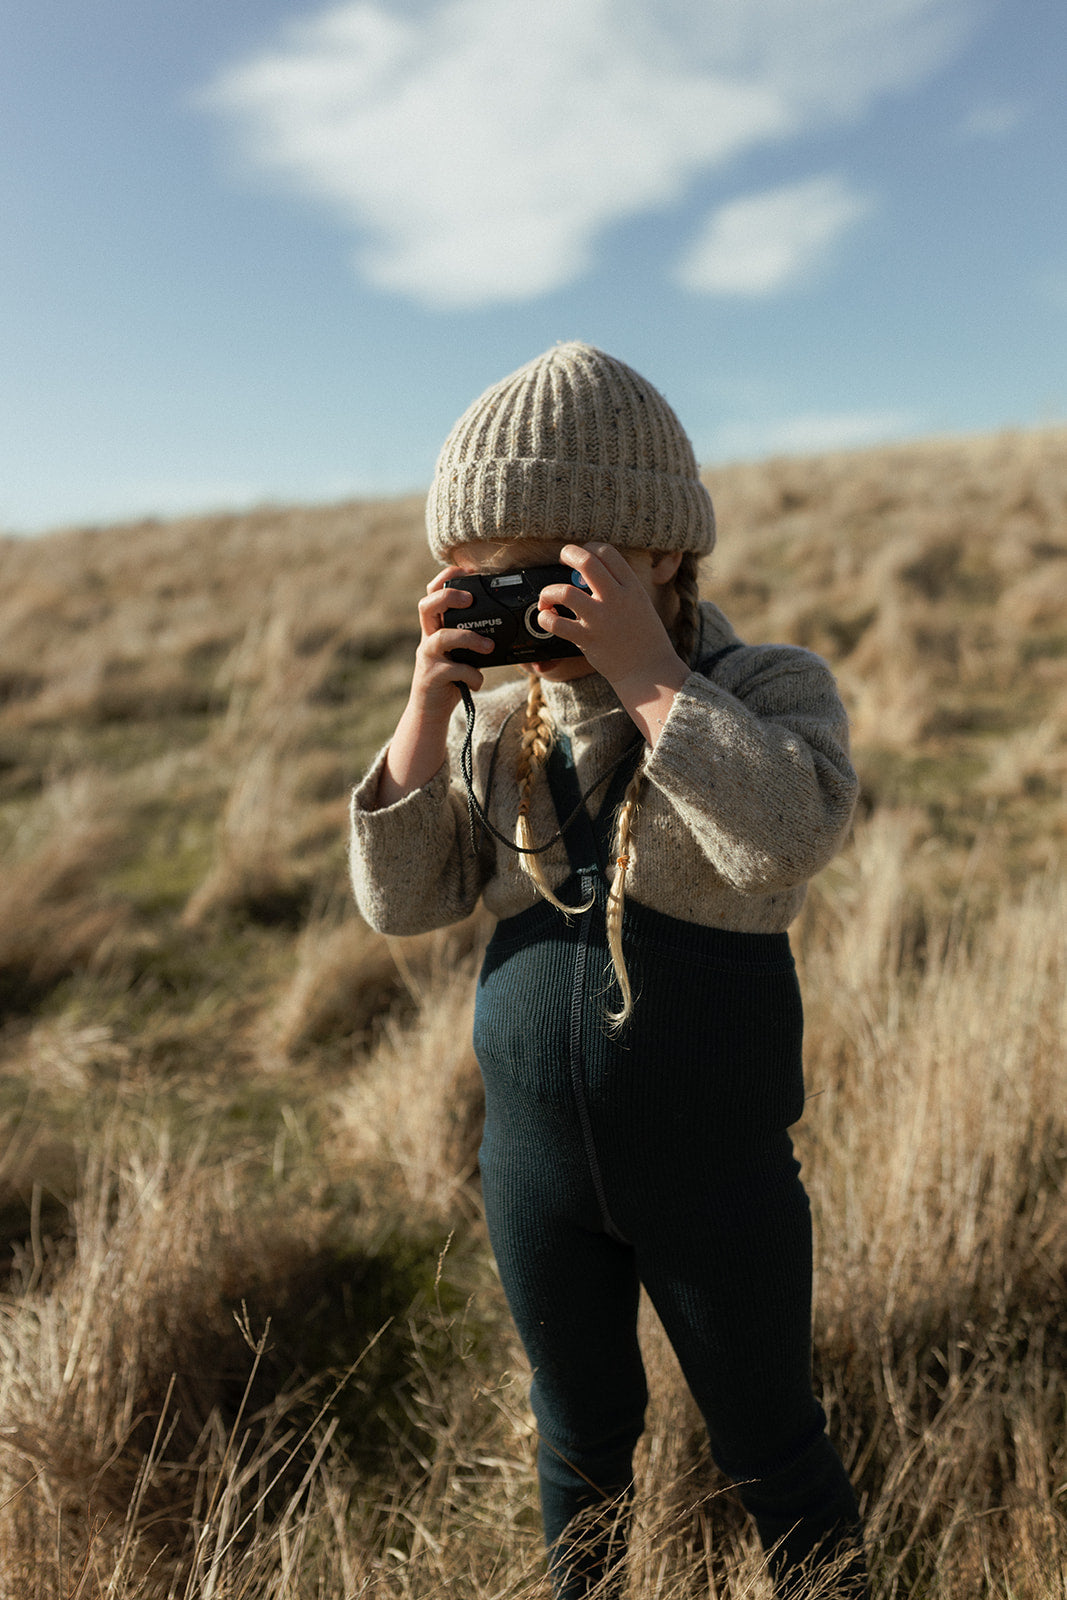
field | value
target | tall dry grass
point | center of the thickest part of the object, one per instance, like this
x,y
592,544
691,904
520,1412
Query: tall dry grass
x,y
51,921
934,1149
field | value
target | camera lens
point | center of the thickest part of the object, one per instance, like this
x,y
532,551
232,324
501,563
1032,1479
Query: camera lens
x,y
533,627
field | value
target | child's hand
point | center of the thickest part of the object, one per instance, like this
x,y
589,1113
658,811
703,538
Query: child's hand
x,y
620,627
418,747
437,677
617,625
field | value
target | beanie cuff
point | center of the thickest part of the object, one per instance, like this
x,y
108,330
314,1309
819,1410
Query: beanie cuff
x,y
529,498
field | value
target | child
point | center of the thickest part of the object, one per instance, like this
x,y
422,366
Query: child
x,y
638,1021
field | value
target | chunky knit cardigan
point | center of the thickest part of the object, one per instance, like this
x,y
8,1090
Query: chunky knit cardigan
x,y
748,793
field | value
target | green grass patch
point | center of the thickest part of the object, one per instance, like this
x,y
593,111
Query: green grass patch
x,y
172,849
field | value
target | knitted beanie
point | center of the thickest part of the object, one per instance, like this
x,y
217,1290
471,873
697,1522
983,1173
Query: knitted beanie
x,y
574,445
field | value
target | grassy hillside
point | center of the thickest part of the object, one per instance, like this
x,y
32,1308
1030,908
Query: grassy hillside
x,y
252,1342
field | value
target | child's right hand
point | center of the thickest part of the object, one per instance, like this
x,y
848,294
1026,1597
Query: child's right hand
x,y
437,677
418,747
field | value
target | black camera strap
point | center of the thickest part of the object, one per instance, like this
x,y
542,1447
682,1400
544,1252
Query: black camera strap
x,y
475,808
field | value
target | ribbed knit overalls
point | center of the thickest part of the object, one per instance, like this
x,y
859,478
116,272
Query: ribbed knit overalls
x,y
657,1157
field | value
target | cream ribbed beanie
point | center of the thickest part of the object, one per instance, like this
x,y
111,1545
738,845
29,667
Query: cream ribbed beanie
x,y
574,445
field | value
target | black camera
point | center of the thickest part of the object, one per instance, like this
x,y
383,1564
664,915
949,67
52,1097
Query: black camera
x,y
504,609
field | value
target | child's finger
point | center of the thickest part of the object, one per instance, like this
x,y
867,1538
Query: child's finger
x,y
573,628
432,607
439,645
446,599
596,562
437,674
444,577
554,595
464,672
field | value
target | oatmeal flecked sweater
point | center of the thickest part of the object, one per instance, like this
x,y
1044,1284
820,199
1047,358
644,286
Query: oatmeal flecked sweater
x,y
748,793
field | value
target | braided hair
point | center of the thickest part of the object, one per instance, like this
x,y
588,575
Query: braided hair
x,y
537,738
536,742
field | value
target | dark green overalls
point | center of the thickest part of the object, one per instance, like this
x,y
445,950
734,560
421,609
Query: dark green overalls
x,y
659,1157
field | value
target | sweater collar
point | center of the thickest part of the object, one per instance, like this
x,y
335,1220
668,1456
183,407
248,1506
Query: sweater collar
x,y
579,701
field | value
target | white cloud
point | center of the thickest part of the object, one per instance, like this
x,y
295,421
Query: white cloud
x,y
763,243
479,148
808,432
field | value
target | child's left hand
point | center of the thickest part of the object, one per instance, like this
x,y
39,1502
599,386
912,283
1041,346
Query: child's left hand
x,y
619,625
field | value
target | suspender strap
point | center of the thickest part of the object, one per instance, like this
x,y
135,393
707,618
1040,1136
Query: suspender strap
x,y
588,842
706,666
567,799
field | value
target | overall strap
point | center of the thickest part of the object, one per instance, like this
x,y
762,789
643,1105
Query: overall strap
x,y
567,798
588,843
707,664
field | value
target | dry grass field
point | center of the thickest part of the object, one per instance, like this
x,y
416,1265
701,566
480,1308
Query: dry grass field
x,y
251,1341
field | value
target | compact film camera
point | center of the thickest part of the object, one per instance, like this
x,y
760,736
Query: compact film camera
x,y
504,609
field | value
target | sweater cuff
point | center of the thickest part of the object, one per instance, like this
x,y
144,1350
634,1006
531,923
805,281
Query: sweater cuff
x,y
366,811
685,729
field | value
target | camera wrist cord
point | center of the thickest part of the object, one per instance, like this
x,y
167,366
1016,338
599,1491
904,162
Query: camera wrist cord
x,y
475,806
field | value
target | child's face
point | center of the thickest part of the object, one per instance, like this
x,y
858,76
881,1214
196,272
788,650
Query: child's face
x,y
504,556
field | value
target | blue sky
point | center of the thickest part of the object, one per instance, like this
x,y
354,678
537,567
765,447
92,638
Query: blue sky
x,y
257,250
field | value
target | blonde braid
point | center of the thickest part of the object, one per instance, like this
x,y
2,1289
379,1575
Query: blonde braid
x,y
687,624
538,735
617,894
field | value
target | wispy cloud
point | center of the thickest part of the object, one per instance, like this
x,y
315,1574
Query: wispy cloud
x,y
809,431
479,148
763,243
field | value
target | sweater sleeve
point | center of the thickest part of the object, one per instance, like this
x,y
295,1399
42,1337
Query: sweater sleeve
x,y
412,864
757,765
